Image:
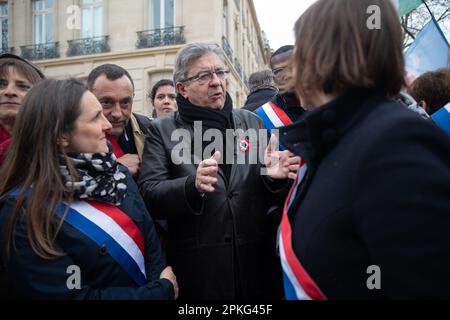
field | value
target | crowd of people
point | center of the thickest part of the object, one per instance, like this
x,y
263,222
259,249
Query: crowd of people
x,y
100,202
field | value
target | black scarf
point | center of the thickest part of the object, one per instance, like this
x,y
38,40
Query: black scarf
x,y
211,118
99,177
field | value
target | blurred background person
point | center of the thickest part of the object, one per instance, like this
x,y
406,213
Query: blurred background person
x,y
163,98
284,109
431,90
17,76
262,89
369,214
73,207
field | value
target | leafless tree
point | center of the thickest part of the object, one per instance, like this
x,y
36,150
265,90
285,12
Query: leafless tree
x,y
414,21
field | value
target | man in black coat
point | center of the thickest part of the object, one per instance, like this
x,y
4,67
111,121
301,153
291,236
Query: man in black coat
x,y
262,89
222,244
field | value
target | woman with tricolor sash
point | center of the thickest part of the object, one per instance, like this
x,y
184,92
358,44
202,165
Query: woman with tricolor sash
x,y
73,224
369,214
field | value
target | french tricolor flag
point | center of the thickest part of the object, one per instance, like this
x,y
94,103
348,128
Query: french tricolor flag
x,y
442,118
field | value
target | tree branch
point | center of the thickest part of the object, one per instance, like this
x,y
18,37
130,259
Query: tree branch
x,y
444,15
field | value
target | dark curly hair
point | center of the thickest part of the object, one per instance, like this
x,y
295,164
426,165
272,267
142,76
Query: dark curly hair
x,y
159,84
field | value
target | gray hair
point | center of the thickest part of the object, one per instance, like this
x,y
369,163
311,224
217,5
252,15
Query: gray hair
x,y
261,80
190,53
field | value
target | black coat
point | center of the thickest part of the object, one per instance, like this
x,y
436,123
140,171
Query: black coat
x,y
258,98
230,230
377,192
30,277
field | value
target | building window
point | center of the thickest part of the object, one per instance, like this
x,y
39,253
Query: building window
x,y
91,18
161,13
225,18
43,21
4,25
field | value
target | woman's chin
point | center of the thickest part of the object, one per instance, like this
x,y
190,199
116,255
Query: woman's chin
x,y
103,147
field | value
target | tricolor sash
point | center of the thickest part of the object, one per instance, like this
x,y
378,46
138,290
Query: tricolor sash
x,y
298,285
106,224
273,117
442,118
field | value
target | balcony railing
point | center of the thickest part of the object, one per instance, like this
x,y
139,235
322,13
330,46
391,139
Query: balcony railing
x,y
40,51
160,37
7,50
233,59
86,46
227,48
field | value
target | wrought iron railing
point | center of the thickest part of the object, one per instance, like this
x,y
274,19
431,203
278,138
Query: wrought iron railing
x,y
227,48
86,46
7,50
41,51
233,59
160,37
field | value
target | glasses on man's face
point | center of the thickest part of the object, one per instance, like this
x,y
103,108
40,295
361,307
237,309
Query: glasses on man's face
x,y
206,76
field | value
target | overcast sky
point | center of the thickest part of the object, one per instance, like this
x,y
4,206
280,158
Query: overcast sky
x,y
277,19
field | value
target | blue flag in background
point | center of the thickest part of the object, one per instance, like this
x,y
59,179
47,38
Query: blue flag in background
x,y
442,118
430,51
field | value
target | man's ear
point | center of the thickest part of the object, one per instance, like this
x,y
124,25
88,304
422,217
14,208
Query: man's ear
x,y
424,105
181,89
63,141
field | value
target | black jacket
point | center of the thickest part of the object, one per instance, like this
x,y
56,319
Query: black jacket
x,y
130,140
258,98
377,192
230,223
30,277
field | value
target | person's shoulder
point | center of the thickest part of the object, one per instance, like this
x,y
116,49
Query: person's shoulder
x,y
250,119
391,112
408,101
165,120
246,114
143,120
164,124
392,120
6,204
142,117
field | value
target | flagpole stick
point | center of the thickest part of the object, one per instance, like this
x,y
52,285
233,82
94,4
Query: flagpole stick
x,y
429,10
